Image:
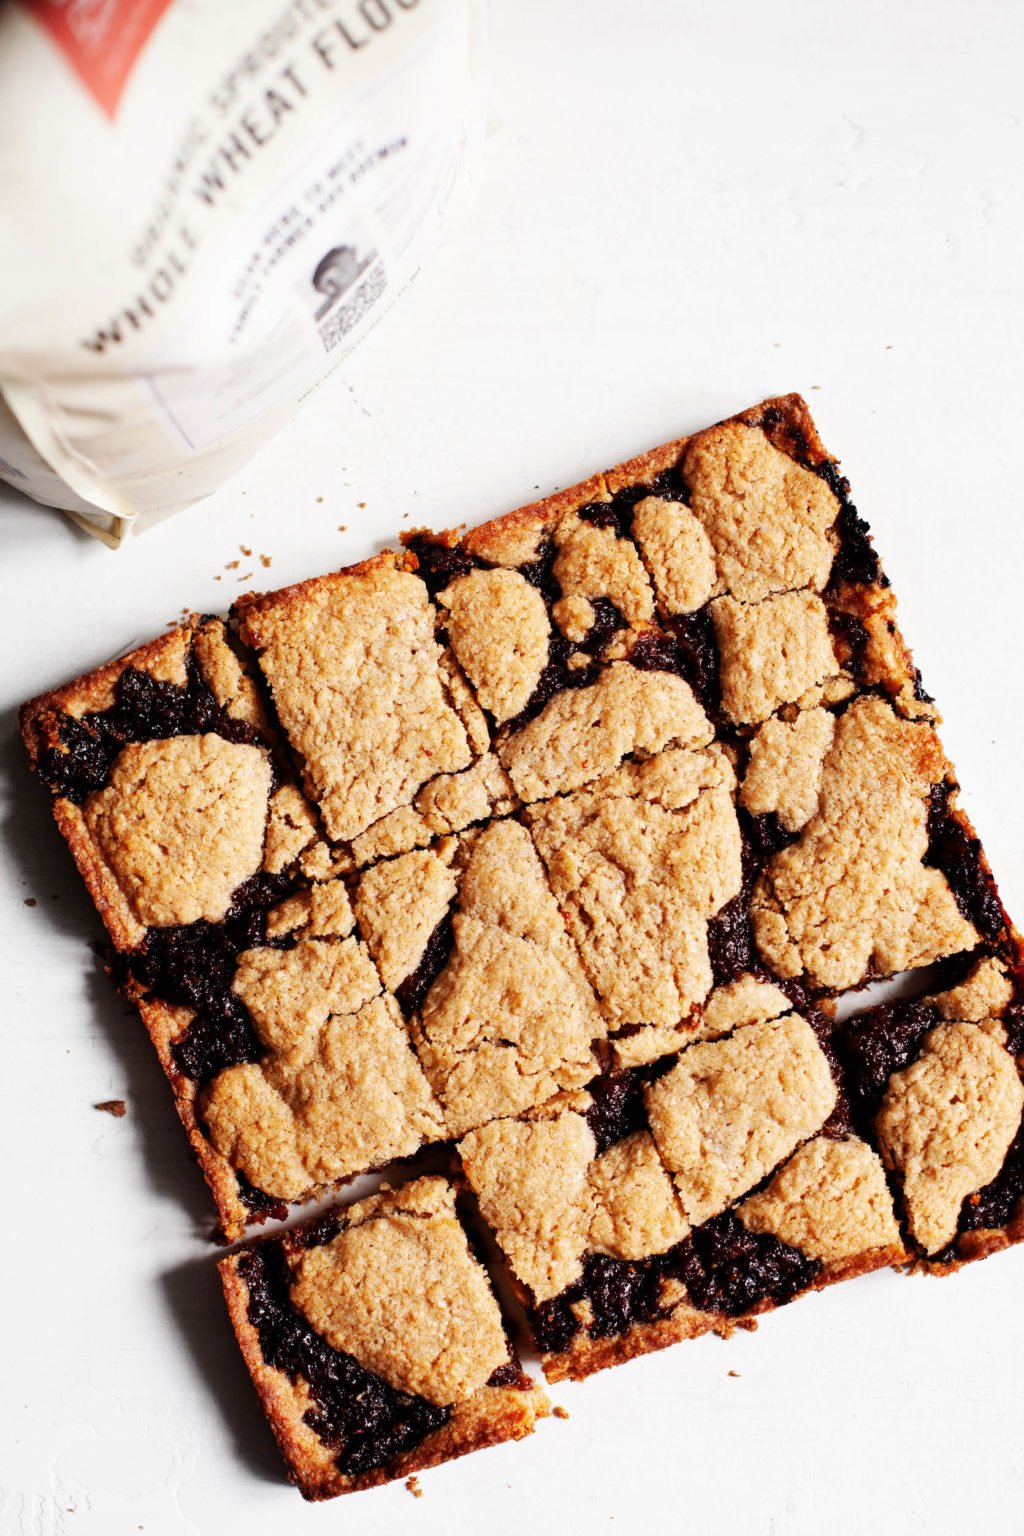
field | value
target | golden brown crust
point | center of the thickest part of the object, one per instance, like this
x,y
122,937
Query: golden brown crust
x,y
503,539
165,1025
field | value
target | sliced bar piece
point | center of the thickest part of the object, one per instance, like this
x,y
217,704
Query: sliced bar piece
x,y
163,780
639,862
292,1071
469,938
375,1342
369,703
596,1231
936,1082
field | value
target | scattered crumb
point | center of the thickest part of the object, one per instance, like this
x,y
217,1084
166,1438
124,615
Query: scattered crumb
x,y
559,1412
30,901
232,565
343,527
218,578
413,1485
116,1107
319,500
246,577
362,506
246,551
733,1373
815,386
266,561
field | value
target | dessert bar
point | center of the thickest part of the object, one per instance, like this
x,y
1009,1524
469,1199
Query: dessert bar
x,y
375,1342
689,1195
427,849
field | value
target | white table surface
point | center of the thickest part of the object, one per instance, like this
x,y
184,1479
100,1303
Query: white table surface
x,y
685,207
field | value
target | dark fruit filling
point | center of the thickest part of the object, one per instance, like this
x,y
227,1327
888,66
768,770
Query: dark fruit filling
x,y
881,1041
724,1268
411,992
144,709
958,855
355,1413
688,648
995,1205
192,965
618,1107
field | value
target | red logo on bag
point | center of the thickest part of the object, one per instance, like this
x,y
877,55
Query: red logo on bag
x,y
101,39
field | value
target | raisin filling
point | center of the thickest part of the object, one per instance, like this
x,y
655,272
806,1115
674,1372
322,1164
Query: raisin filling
x,y
411,992
192,965
880,1042
144,709
365,1421
617,1108
725,1269
958,855
688,648
994,1206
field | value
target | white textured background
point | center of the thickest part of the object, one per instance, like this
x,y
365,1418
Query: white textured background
x,y
686,206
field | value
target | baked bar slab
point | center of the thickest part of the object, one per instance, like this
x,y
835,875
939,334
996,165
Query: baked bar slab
x,y
375,1342
410,849
687,1196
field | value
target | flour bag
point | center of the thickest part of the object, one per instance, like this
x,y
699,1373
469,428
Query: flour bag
x,y
206,204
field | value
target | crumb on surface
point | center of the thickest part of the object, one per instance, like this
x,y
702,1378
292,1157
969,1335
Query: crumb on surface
x,y
732,1373
246,551
266,561
319,500
343,527
558,1412
116,1107
232,565
413,1485
31,901
362,506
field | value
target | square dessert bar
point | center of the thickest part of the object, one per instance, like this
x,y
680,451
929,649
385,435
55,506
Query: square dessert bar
x,y
291,1068
935,1081
689,1195
375,1342
418,847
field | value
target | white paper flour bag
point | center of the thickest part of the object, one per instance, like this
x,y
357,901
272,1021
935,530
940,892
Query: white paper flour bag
x,y
205,205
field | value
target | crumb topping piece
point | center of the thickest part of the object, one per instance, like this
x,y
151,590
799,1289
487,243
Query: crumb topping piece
x,y
853,891
593,562
946,1124
290,992
830,1200
348,1096
356,677
291,828
678,553
530,1178
639,862
730,1110
783,775
769,520
584,733
499,630
181,825
510,1019
743,1001
771,653
550,1199
399,1290
984,994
